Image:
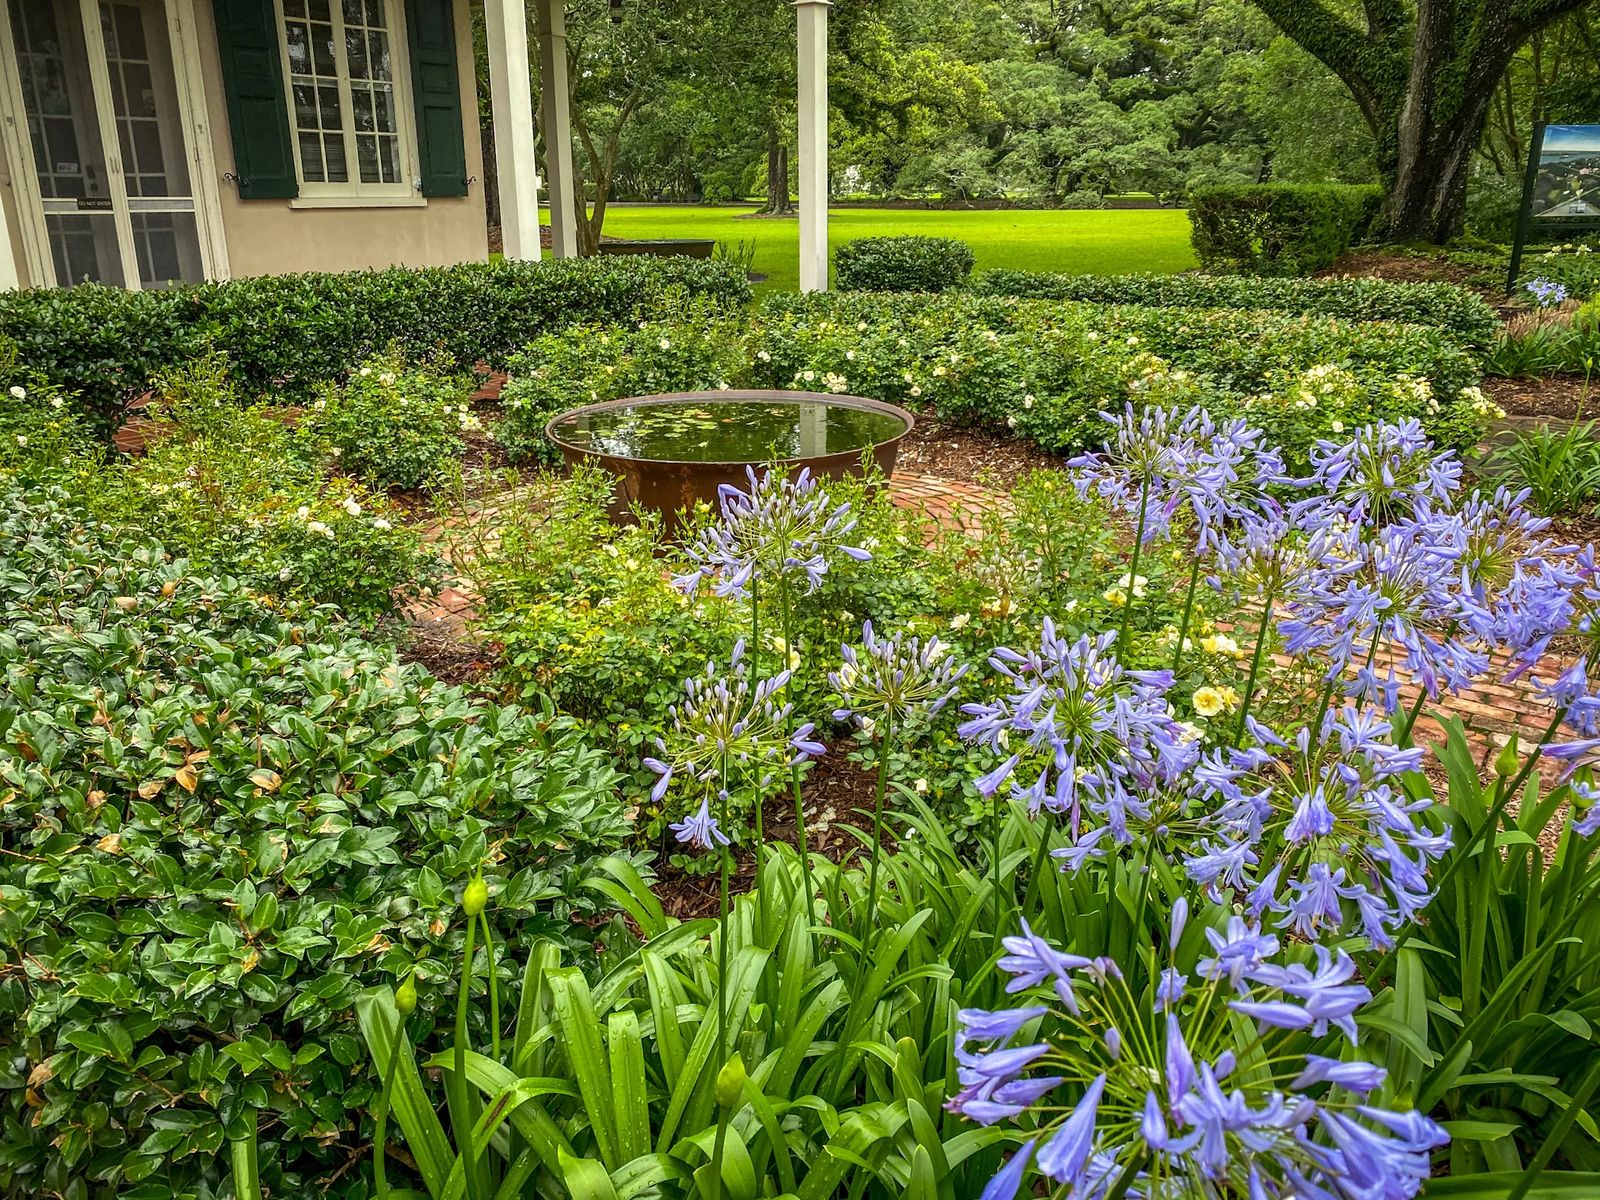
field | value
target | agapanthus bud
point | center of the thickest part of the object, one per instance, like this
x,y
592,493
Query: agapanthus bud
x,y
475,896
1507,761
405,996
730,1082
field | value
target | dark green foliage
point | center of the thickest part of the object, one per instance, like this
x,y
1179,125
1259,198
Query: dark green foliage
x,y
284,335
1560,468
901,264
218,823
1461,312
1279,228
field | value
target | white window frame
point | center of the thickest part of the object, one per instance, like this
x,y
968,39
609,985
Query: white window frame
x,y
353,193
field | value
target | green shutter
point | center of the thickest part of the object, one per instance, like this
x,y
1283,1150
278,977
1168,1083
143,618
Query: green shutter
x,y
436,89
258,118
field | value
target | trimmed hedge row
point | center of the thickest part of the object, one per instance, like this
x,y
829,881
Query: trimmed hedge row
x,y
1047,369
905,263
286,334
1444,305
1279,228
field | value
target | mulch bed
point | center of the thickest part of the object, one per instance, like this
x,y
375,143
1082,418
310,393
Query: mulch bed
x,y
1412,268
837,793
1559,396
969,455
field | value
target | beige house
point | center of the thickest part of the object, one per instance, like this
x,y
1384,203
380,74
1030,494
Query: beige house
x,y
148,142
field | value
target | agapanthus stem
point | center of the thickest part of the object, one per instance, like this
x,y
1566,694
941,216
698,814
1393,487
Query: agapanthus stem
x,y
1255,665
1040,861
1188,608
1404,739
877,840
755,667
994,856
1133,570
802,839
722,919
460,1092
494,986
714,1192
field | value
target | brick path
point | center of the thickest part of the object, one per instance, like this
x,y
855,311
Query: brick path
x,y
1492,711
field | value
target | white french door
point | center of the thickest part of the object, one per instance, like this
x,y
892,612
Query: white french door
x,y
106,105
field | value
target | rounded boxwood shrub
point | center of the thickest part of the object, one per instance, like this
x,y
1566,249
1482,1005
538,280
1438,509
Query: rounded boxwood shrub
x,y
901,264
1279,228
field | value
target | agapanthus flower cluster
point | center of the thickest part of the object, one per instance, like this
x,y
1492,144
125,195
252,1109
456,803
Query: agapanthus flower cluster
x,y
1400,588
1318,830
898,679
727,722
1383,473
1101,738
782,525
1546,293
1156,1081
1171,462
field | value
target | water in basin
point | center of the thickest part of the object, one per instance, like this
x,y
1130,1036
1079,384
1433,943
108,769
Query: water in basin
x,y
728,430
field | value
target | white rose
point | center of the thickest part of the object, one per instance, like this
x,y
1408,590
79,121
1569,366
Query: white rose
x,y
18,392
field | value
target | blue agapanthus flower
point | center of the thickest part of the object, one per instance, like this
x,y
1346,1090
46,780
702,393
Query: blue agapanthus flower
x,y
1175,463
1546,293
781,525
1087,739
900,678
1320,831
1163,1098
727,722
1398,589
1383,473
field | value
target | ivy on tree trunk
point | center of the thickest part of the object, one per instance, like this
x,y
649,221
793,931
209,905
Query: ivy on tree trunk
x,y
1423,74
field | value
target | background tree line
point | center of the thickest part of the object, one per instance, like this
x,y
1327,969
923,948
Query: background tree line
x,y
1069,102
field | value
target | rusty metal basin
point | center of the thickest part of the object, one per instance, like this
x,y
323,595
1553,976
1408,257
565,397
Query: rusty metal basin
x,y
666,485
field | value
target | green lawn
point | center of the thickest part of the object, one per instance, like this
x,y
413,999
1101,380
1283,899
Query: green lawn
x,y
1096,242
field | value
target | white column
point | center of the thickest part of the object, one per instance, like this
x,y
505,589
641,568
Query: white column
x,y
511,98
555,100
811,22
10,277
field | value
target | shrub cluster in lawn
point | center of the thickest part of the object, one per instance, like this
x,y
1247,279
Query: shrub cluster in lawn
x,y
1279,228
287,335
1456,310
903,263
696,349
222,820
391,425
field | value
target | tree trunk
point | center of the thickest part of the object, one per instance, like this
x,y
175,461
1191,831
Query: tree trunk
x,y
777,173
1423,76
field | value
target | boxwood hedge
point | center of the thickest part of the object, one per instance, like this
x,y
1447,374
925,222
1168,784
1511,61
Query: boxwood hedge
x,y
286,334
1279,228
219,822
1461,312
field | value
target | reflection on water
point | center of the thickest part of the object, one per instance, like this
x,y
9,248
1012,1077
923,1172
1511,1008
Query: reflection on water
x,y
728,430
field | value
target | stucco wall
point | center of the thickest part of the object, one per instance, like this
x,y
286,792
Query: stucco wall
x,y
268,236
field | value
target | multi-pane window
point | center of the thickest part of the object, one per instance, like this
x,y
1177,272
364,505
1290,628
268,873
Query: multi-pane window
x,y
342,63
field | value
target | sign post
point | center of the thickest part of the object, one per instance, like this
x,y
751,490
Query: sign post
x,y
1561,189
